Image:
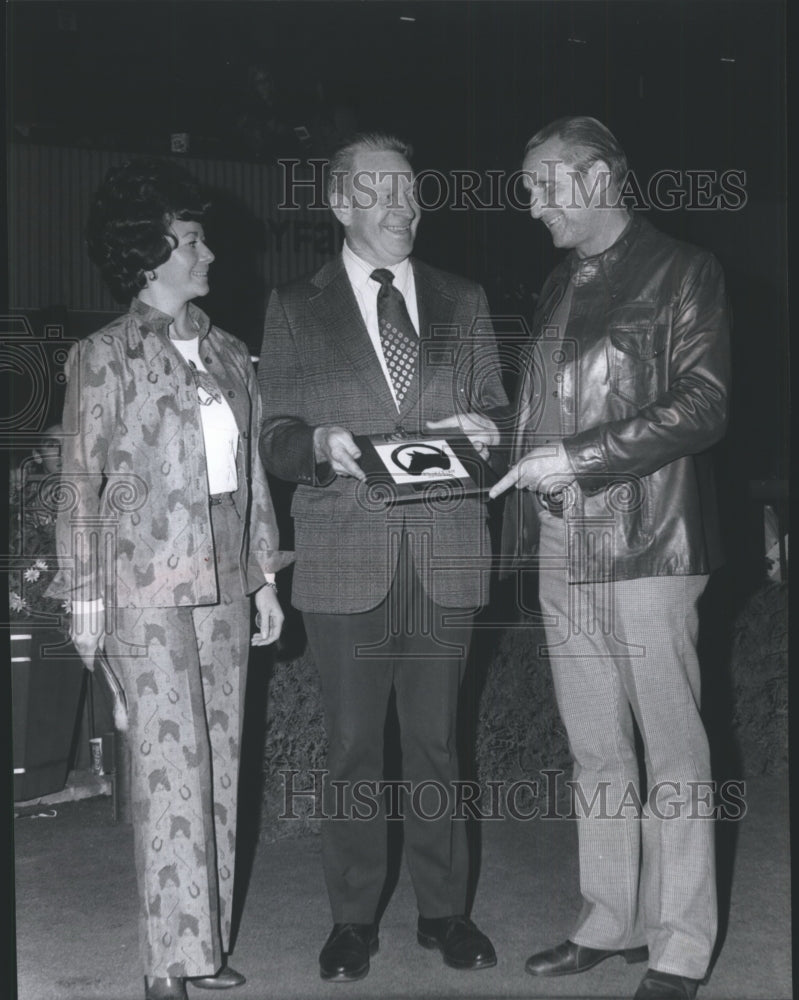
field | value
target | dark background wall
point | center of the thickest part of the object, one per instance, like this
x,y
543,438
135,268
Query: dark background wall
x,y
686,86
696,86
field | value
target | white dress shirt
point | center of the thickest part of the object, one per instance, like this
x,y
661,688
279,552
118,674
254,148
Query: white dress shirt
x,y
366,289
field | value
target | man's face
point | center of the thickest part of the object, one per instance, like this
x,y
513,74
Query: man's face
x,y
573,207
379,212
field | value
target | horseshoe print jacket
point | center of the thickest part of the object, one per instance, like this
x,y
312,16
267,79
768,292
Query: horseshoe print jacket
x,y
134,523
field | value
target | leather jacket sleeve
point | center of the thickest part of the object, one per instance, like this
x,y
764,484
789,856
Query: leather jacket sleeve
x,y
691,414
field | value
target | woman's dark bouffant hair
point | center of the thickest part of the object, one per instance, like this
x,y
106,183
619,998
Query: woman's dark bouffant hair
x,y
128,232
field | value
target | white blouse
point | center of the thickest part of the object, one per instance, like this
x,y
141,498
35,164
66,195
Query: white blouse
x,y
220,431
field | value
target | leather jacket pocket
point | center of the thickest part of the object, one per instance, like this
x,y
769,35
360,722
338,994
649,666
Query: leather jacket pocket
x,y
637,352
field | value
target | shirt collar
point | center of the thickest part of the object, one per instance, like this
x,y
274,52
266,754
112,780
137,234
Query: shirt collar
x,y
359,271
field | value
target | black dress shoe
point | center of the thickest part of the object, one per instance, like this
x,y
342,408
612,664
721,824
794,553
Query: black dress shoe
x,y
568,958
346,953
459,941
165,988
666,986
223,980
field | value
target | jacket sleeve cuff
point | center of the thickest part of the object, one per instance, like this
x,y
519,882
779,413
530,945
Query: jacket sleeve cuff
x,y
263,565
323,474
63,587
587,458
88,607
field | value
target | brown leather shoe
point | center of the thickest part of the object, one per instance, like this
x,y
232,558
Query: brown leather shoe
x,y
223,980
666,986
568,958
461,943
165,988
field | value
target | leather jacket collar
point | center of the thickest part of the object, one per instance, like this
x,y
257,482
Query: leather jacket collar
x,y
584,270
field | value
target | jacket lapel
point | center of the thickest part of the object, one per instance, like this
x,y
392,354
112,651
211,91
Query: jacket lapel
x,y
230,378
338,315
152,344
436,308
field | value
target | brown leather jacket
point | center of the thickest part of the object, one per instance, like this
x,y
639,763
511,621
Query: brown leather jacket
x,y
642,387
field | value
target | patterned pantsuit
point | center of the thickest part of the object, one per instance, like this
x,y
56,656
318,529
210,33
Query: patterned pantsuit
x,y
618,649
419,648
184,674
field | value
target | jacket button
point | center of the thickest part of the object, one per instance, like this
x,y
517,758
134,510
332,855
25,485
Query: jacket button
x,y
231,393
207,360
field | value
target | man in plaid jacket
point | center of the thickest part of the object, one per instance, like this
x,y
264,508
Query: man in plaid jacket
x,y
387,591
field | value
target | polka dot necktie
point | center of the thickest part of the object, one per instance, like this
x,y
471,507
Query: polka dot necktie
x,y
397,336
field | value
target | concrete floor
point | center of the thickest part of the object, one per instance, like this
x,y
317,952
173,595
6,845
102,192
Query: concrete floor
x,y
77,936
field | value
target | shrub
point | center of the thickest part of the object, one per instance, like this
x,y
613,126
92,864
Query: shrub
x,y
511,727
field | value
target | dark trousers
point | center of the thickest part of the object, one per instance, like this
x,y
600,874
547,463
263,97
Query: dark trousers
x,y
419,649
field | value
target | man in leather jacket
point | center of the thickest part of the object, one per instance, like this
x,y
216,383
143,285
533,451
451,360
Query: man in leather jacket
x,y
624,389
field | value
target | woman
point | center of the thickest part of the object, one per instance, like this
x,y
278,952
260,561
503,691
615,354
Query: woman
x,y
181,529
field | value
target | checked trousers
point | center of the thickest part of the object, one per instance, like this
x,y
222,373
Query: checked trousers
x,y
621,650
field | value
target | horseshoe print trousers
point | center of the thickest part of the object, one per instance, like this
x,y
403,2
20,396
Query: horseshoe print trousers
x,y
184,674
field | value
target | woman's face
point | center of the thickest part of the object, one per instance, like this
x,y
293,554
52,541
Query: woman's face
x,y
185,273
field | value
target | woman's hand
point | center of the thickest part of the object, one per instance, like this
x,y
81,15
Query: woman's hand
x,y
269,618
86,631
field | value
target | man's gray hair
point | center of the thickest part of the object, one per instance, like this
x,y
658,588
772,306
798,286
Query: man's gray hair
x,y
342,161
588,140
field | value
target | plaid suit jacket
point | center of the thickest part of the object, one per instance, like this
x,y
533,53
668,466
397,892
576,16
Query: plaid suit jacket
x,y
318,367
